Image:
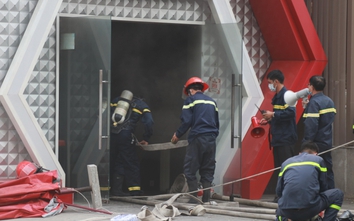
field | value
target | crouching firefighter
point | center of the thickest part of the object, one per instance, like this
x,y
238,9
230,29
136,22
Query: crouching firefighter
x,y
126,111
302,188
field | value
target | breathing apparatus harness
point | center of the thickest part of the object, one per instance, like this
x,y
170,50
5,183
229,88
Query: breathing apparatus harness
x,y
118,127
127,102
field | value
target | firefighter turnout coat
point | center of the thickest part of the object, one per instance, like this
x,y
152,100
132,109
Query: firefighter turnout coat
x,y
283,124
318,118
301,179
200,113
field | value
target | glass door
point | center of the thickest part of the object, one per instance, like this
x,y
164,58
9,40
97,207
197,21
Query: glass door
x,y
84,97
222,55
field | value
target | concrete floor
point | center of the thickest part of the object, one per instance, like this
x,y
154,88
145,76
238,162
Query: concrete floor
x,y
117,207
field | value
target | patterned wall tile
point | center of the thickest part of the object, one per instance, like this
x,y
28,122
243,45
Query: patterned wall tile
x,y
14,17
40,92
178,10
253,39
215,64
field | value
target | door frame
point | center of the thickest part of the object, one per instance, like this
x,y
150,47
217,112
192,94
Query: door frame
x,y
57,98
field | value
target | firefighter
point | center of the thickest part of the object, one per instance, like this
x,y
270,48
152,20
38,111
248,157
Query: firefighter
x,y
302,188
318,118
127,111
200,115
282,121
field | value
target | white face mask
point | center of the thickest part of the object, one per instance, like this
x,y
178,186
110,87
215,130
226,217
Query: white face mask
x,y
271,87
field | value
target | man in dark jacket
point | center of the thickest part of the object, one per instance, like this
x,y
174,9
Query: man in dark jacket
x,y
302,188
200,115
123,155
282,121
318,118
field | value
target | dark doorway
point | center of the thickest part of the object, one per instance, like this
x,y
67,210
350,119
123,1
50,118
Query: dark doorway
x,y
154,60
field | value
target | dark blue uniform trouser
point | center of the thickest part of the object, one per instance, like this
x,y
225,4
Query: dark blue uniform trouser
x,y
282,153
200,155
330,200
124,159
327,157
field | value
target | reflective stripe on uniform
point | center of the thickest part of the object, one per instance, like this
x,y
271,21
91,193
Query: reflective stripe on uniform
x,y
137,111
306,163
199,102
134,188
334,206
311,115
324,111
328,110
280,107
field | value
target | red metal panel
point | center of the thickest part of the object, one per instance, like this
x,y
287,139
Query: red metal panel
x,y
296,50
288,30
281,42
307,34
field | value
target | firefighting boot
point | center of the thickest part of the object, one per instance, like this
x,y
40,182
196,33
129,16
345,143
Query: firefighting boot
x,y
193,186
206,193
136,193
116,189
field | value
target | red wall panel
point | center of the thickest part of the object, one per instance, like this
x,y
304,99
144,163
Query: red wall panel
x,y
296,50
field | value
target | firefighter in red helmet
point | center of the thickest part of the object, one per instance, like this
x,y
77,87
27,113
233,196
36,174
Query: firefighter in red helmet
x,y
200,115
195,80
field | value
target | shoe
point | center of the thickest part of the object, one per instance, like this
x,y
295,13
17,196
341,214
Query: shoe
x,y
193,200
193,186
116,188
136,193
346,215
206,193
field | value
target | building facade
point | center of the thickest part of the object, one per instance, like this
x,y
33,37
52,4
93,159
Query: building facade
x,y
50,81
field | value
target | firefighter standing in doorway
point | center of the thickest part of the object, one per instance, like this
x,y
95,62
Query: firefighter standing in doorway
x,y
127,111
200,115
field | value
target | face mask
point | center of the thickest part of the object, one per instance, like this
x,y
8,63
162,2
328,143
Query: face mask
x,y
271,87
